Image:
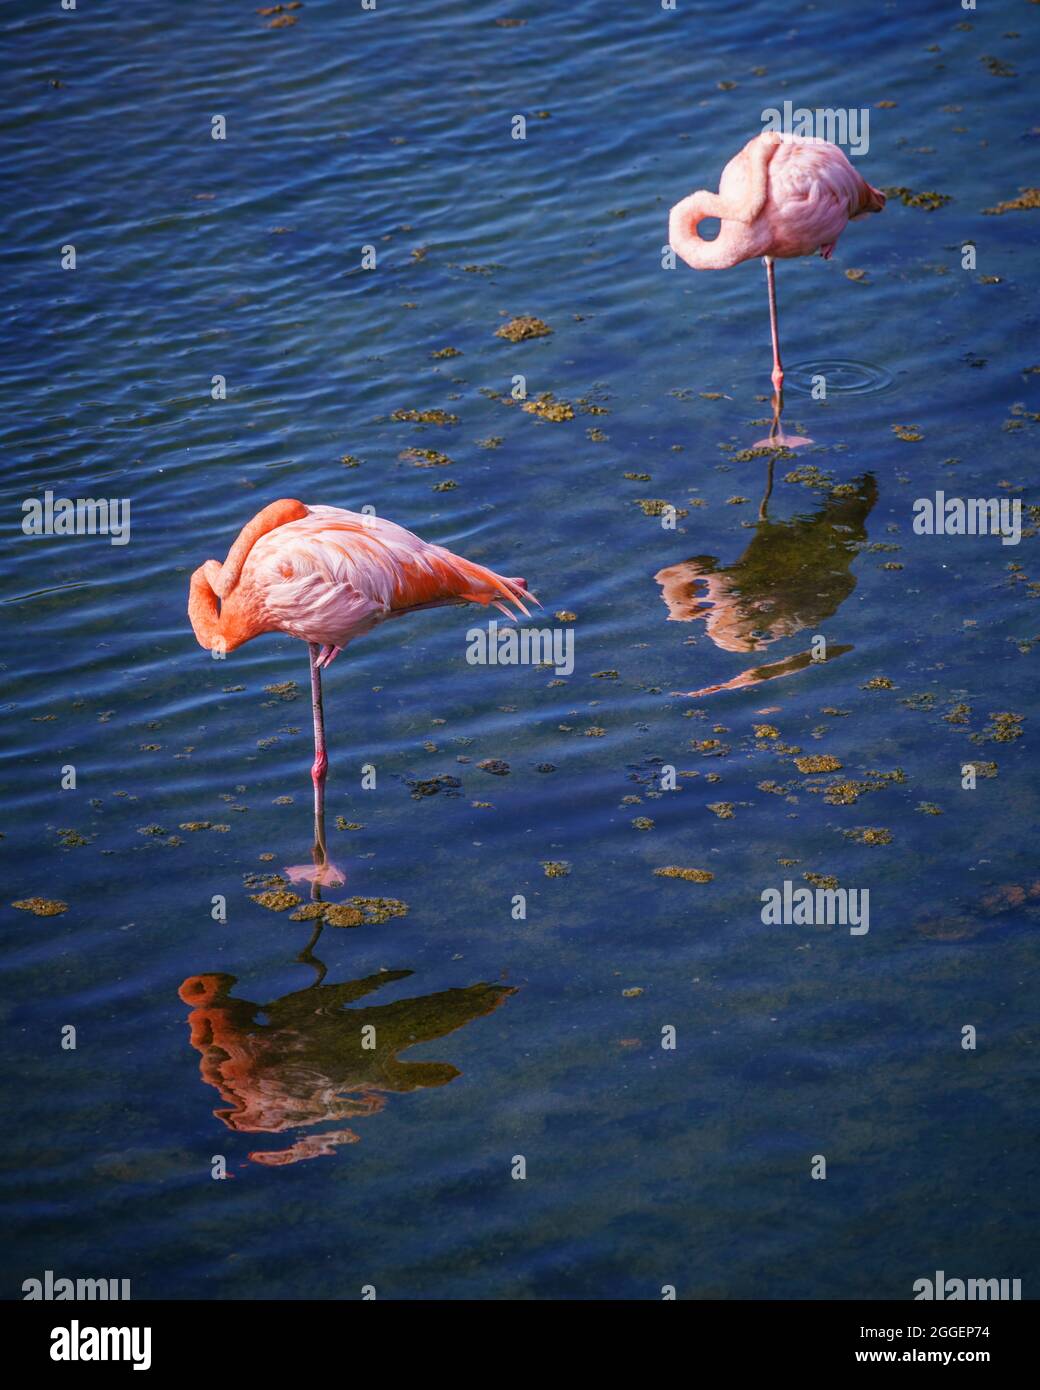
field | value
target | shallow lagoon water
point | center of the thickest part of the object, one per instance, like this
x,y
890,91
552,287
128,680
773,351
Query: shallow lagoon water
x,y
242,258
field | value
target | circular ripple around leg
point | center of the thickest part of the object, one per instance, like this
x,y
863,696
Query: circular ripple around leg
x,y
844,377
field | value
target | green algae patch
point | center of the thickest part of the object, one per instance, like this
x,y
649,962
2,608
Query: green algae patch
x,y
766,731
818,762
1028,199
556,868
869,835
847,793
819,880
808,475
878,683
276,900
285,690
1002,728
909,434
41,907
425,458
925,201
547,407
928,808
343,915
523,328
656,506
983,769
446,352
374,911
425,417
643,823
689,875
308,912
196,825
722,809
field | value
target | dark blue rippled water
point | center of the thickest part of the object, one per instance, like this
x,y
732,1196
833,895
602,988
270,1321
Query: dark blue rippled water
x,y
501,1038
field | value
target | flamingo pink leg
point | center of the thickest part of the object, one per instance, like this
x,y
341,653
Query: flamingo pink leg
x,y
321,758
778,368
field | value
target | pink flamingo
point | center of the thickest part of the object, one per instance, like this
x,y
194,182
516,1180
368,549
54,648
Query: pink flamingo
x,y
327,576
782,195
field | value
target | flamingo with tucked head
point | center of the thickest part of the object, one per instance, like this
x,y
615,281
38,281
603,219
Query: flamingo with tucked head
x,y
327,575
781,196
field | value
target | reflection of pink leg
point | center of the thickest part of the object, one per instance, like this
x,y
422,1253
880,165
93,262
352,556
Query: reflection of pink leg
x,y
778,369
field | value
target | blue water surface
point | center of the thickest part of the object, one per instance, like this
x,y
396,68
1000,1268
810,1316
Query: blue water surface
x,y
508,1043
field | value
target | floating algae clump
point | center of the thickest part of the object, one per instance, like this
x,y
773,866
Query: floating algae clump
x,y
819,880
547,407
766,731
656,506
498,767
1003,728
926,201
556,868
426,417
425,458
285,690
818,762
869,835
848,793
983,769
446,352
277,900
643,823
690,875
343,915
307,912
1028,198
877,683
722,809
41,907
372,911
520,329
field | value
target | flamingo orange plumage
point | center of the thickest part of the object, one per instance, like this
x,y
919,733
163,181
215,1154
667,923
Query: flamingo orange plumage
x,y
781,196
327,575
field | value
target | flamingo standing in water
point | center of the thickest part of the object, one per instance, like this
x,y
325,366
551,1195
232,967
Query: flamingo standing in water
x,y
327,576
781,196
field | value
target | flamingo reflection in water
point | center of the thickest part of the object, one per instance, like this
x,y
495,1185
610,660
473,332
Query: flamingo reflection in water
x,y
792,576
302,1060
